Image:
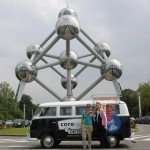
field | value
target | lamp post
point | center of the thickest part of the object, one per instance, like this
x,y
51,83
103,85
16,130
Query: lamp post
x,y
24,113
32,112
140,112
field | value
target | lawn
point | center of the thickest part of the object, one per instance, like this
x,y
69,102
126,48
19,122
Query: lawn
x,y
14,131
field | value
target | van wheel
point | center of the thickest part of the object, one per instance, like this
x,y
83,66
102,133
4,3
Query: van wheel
x,y
48,141
113,140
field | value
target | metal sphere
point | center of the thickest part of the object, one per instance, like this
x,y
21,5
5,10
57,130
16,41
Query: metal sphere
x,y
111,70
67,27
74,82
33,49
103,47
68,62
25,71
69,98
67,11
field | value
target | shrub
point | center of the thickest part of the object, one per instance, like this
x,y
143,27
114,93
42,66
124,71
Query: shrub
x,y
9,125
132,123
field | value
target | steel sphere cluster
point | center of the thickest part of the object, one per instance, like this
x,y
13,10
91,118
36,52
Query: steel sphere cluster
x,y
67,27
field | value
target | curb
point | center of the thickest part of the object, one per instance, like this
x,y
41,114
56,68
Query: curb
x,y
11,135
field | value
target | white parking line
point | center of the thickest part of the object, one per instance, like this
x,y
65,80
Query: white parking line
x,y
142,137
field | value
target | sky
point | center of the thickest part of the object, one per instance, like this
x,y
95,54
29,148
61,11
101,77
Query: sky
x,y
123,24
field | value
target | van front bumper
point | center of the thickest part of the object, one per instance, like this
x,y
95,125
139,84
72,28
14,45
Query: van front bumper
x,y
28,137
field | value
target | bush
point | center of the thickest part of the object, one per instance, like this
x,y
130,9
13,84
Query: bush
x,y
132,123
2,126
9,125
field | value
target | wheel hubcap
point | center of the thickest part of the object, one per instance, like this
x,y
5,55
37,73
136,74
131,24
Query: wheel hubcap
x,y
112,141
48,141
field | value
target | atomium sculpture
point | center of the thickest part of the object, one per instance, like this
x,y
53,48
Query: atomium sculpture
x,y
68,28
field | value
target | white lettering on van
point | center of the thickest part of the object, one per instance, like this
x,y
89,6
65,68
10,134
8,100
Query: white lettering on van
x,y
69,124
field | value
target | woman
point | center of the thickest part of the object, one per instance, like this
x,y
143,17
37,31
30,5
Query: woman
x,y
86,126
101,124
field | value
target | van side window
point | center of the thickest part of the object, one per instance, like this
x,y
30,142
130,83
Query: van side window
x,y
51,111
43,111
112,109
64,111
80,109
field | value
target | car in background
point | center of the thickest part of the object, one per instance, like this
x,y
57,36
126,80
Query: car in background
x,y
2,124
10,122
27,123
144,120
19,123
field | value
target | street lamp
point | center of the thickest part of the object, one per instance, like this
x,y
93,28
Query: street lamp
x,y
24,113
140,112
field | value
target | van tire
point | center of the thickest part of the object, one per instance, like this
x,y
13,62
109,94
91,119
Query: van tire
x,y
113,140
48,141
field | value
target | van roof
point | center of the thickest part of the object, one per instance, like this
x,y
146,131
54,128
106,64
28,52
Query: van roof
x,y
81,102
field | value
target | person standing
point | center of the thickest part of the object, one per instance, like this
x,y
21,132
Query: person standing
x,y
86,126
101,125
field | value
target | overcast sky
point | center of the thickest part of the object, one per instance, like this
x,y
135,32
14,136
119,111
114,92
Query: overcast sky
x,y
123,24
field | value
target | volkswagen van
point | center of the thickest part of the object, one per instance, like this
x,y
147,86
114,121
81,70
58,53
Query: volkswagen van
x,y
60,121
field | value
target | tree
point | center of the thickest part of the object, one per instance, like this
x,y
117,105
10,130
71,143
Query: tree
x,y
6,92
144,91
9,108
29,106
131,98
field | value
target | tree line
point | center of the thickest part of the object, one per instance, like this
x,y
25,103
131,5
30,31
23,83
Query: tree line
x,y
11,108
131,98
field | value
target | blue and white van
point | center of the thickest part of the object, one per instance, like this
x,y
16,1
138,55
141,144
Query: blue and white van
x,y
60,121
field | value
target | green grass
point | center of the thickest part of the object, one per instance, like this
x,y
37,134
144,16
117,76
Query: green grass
x,y
14,131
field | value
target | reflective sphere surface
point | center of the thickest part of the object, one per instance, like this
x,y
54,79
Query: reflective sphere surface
x,y
74,82
69,98
111,70
68,62
33,49
67,27
25,71
67,11
103,47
